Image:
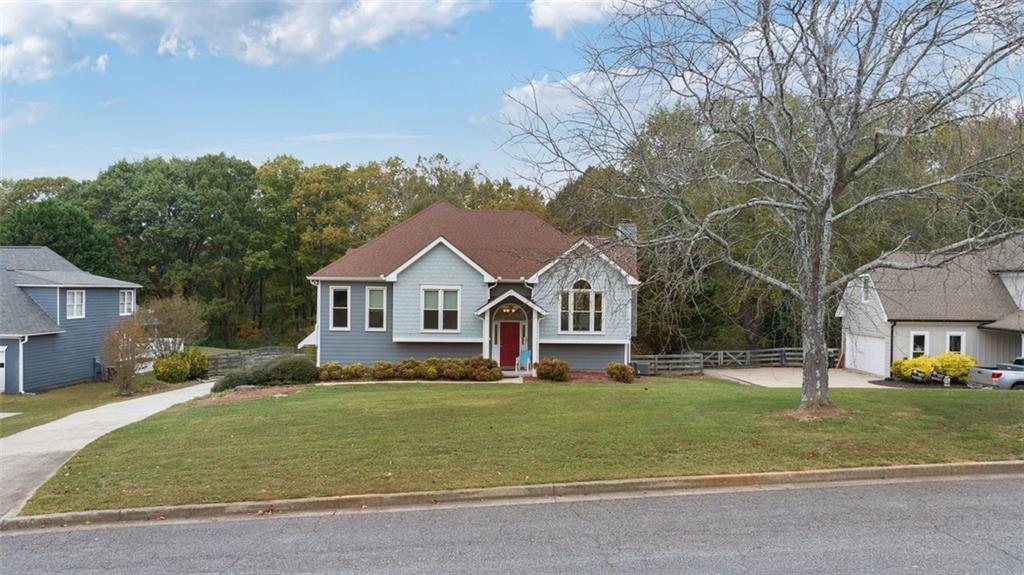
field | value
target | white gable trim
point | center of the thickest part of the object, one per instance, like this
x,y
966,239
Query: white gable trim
x,y
393,276
515,294
583,242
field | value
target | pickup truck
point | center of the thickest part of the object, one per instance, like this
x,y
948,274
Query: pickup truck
x,y
1003,375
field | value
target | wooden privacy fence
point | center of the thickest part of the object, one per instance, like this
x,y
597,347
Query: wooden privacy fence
x,y
247,358
697,361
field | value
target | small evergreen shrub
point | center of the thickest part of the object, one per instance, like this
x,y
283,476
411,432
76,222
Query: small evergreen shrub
x,y
198,363
382,370
331,371
353,371
290,369
407,368
553,369
620,372
238,378
453,370
173,368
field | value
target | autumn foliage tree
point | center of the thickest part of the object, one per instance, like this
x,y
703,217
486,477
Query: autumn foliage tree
x,y
125,349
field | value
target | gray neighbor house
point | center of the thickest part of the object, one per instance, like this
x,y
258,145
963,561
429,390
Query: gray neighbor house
x,y
453,282
53,318
973,304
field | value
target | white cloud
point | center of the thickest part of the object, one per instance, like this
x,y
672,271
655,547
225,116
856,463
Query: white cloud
x,y
344,136
26,115
39,40
560,16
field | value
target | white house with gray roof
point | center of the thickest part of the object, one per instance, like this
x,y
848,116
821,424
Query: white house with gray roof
x,y
973,304
53,318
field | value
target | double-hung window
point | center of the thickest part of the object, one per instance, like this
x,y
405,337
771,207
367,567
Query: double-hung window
x,y
582,309
955,341
126,302
339,308
376,313
865,288
76,303
918,344
440,308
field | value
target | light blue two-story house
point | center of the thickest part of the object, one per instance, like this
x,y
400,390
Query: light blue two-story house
x,y
452,282
53,318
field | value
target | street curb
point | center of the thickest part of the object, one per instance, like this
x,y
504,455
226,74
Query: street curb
x,y
388,500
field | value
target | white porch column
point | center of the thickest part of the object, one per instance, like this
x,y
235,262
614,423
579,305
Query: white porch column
x,y
535,332
487,333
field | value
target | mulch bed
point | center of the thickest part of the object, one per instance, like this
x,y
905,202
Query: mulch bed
x,y
591,377
247,394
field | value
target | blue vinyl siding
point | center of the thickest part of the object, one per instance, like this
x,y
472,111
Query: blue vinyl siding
x,y
440,266
585,357
46,298
10,383
360,346
69,357
617,294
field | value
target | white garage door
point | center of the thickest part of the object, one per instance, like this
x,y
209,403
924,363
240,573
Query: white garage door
x,y
867,354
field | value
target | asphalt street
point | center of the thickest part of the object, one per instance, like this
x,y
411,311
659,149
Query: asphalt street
x,y
949,526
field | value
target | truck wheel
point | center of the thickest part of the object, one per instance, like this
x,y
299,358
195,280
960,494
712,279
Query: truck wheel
x,y
1017,386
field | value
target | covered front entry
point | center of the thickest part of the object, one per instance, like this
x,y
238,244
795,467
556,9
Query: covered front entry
x,y
511,322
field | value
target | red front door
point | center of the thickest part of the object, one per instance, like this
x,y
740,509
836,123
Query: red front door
x,y
509,343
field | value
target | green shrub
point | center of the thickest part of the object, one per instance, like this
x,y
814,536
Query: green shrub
x,y
291,369
407,368
198,363
331,371
486,374
382,370
353,371
554,369
452,370
238,378
172,368
620,372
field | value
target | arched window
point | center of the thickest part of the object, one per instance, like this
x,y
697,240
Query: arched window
x,y
582,309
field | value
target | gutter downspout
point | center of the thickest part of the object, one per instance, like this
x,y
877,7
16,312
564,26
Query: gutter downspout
x,y
892,345
317,325
21,364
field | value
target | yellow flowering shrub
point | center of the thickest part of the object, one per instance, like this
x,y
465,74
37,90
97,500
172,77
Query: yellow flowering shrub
x,y
955,365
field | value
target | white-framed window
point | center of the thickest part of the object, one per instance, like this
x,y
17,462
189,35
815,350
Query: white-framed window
x,y
918,343
75,303
126,302
865,288
440,308
339,308
376,308
581,309
956,342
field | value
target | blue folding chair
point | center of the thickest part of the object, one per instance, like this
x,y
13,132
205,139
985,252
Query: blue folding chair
x,y
523,361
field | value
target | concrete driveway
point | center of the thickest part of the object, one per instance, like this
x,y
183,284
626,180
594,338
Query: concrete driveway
x,y
791,377
30,457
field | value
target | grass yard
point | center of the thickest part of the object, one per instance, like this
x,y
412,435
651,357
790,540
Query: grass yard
x,y
54,404
208,351
409,437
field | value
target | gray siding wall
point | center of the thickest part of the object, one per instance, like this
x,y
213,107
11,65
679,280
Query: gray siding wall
x,y
69,357
440,266
586,357
10,382
989,347
360,346
46,298
618,298
863,317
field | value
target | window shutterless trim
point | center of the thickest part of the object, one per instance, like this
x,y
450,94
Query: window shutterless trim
x,y
130,301
963,340
592,313
440,307
927,342
69,304
348,308
383,308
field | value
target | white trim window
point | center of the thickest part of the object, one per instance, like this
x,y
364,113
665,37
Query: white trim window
x,y
340,304
126,302
75,303
376,308
956,342
581,309
918,343
865,288
440,307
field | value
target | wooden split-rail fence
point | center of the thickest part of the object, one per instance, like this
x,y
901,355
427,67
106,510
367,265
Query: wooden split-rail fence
x,y
697,361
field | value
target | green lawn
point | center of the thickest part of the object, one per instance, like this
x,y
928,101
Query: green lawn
x,y
213,350
47,406
387,438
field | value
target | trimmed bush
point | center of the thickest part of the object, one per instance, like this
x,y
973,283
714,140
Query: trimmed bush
x,y
290,369
331,371
553,369
198,363
173,368
407,368
955,365
353,371
237,378
620,372
383,370
452,369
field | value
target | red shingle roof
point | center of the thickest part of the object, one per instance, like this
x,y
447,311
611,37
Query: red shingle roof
x,y
507,244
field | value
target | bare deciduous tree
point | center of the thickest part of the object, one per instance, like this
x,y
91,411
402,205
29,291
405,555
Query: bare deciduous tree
x,y
173,323
125,349
789,115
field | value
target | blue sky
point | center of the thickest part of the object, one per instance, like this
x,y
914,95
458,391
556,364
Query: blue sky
x,y
83,88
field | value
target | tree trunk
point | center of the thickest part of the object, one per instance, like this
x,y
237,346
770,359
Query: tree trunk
x,y
815,344
815,239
